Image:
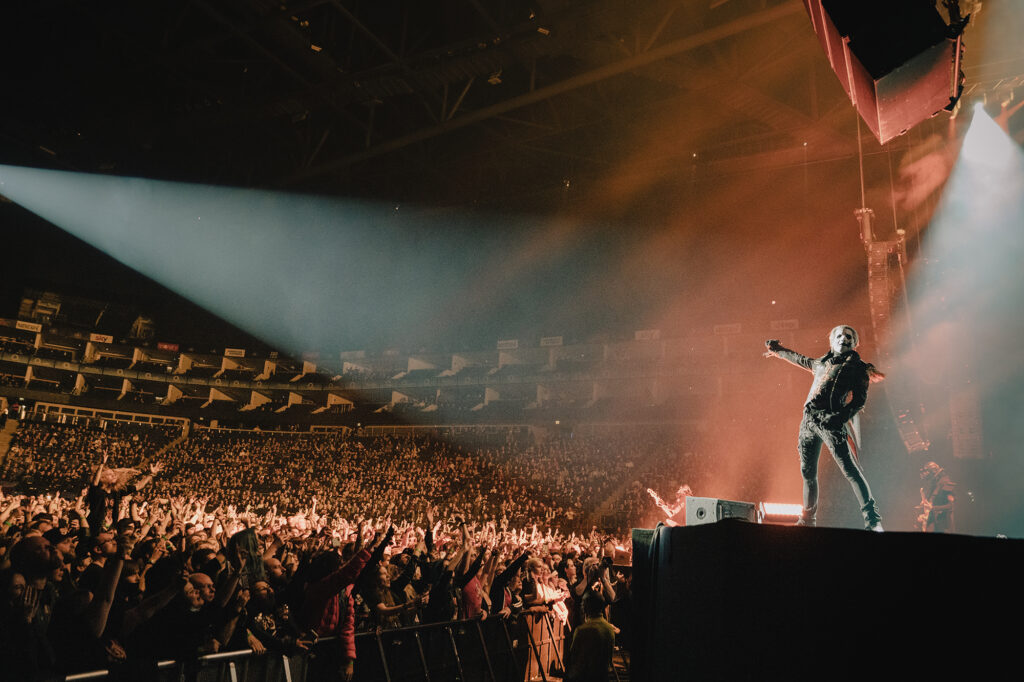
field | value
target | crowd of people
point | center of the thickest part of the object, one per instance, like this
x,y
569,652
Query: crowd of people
x,y
559,482
125,544
46,458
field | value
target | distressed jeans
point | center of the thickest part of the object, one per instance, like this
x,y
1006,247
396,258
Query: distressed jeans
x,y
812,434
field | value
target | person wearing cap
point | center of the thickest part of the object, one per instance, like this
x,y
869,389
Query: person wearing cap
x,y
62,542
838,392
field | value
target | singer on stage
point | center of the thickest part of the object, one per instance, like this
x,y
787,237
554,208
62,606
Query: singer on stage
x,y
838,392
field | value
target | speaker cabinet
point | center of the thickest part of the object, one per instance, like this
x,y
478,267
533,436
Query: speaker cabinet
x,y
897,59
701,510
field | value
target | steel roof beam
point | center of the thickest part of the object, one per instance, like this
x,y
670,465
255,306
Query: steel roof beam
x,y
680,46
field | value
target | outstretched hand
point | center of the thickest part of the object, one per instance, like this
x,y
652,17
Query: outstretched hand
x,y
773,347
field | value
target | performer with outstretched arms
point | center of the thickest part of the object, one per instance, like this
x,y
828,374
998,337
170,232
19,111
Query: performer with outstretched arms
x,y
838,393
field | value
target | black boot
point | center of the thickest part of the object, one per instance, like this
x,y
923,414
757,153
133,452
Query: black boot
x,y
872,519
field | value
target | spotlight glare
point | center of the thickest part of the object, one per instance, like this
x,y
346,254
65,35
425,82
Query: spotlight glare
x,y
302,273
986,144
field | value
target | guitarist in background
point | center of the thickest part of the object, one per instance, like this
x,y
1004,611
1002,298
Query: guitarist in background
x,y
936,500
671,510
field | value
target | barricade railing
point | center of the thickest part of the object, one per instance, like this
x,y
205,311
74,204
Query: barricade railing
x,y
528,647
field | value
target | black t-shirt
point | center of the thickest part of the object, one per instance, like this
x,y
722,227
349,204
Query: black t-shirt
x,y
103,505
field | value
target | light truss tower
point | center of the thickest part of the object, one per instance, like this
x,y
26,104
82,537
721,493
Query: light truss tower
x,y
886,286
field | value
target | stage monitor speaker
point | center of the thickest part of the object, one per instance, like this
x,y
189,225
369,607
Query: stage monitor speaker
x,y
701,510
897,59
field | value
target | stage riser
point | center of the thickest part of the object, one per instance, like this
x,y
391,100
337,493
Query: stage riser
x,y
734,600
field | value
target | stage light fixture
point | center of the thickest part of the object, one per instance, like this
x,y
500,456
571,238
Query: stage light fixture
x,y
779,512
781,509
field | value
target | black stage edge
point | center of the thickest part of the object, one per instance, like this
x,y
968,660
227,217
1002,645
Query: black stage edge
x,y
739,601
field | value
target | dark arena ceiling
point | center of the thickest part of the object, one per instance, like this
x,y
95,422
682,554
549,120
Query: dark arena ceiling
x,y
665,145
499,102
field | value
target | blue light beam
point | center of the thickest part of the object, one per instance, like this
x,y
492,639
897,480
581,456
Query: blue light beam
x,y
300,272
965,295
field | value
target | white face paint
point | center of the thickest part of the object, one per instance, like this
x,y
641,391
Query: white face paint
x,y
841,340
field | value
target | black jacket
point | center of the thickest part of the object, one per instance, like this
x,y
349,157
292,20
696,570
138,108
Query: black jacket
x,y
840,386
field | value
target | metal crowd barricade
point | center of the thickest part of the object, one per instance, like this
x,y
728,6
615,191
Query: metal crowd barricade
x,y
545,636
228,666
529,647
